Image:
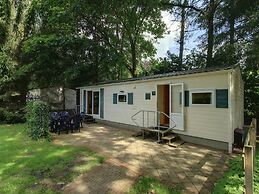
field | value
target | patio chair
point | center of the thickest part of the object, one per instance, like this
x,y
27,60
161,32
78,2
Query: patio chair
x,y
64,123
75,123
82,118
53,121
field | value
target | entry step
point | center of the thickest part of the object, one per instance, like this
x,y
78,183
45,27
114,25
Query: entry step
x,y
176,143
169,137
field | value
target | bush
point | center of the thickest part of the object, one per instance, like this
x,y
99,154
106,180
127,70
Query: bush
x,y
38,120
11,117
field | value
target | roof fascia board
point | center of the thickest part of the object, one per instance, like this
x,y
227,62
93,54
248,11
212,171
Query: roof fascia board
x,y
159,78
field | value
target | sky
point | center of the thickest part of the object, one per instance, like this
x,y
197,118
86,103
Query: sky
x,y
169,42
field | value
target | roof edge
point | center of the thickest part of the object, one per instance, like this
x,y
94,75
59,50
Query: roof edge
x,y
164,75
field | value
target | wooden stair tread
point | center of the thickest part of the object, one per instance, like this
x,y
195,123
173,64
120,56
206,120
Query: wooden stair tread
x,y
169,137
176,143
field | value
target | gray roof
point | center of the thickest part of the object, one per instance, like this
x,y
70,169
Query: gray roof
x,y
164,75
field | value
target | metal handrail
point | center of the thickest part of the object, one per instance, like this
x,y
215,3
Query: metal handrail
x,y
156,113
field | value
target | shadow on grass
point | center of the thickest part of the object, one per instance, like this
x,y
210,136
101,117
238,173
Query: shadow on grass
x,y
28,166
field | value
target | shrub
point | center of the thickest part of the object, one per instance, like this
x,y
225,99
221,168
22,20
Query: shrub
x,y
38,120
11,117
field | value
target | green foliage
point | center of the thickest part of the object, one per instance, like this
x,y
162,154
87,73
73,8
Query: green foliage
x,y
233,180
37,167
168,64
150,185
12,77
54,60
102,39
11,117
6,68
71,43
2,33
38,120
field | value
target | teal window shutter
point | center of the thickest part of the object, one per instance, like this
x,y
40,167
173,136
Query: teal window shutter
x,y
186,98
130,98
222,98
115,98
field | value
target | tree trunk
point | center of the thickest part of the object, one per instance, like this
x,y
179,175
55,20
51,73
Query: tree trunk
x,y
210,25
63,98
232,32
231,23
182,33
133,59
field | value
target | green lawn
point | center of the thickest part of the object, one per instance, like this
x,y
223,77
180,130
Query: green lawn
x,y
147,185
233,179
28,166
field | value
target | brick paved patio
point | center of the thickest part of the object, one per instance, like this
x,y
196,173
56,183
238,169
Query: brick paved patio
x,y
194,167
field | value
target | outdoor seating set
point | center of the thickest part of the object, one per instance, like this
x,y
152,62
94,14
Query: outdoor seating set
x,y
66,121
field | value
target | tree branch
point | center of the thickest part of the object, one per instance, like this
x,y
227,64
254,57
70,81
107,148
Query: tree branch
x,y
182,6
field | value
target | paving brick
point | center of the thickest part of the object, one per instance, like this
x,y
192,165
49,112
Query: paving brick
x,y
194,167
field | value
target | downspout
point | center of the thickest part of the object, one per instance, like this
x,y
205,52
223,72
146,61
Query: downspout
x,y
231,111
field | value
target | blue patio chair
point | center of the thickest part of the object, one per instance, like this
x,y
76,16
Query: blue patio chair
x,y
53,121
64,123
82,118
76,121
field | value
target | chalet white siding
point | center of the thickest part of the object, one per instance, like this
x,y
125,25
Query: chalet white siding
x,y
203,121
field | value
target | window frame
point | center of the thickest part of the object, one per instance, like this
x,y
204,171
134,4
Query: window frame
x,y
146,96
122,94
212,91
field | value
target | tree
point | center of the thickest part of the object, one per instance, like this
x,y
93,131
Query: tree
x,y
11,37
129,22
182,32
170,63
183,13
112,36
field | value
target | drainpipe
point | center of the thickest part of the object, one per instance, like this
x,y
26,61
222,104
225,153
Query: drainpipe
x,y
231,111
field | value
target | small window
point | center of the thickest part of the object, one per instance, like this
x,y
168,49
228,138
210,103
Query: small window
x,y
201,97
122,98
147,96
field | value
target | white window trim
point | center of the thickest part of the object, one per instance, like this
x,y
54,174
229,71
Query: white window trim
x,y
150,93
118,94
212,91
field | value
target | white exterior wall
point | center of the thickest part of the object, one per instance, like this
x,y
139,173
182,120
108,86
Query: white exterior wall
x,y
204,121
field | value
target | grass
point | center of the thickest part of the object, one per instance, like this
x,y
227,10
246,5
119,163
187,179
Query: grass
x,y
233,180
28,166
147,185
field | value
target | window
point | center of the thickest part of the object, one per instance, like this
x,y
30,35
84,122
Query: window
x,y
147,96
122,98
96,102
202,97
